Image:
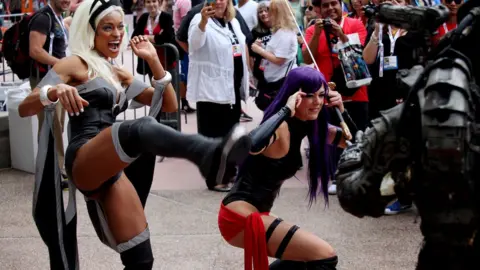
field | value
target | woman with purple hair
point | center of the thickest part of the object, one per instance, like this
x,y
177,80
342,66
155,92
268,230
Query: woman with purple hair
x,y
296,112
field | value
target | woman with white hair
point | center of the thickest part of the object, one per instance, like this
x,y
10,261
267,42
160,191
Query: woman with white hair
x,y
94,92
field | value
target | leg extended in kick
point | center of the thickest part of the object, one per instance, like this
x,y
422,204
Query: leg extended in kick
x,y
116,147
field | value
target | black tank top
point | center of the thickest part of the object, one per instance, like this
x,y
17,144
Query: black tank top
x,y
260,177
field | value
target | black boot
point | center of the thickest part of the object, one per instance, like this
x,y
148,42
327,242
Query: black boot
x,y
287,265
186,106
325,264
139,257
212,156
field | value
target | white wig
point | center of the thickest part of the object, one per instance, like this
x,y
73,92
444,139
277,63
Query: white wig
x,y
82,40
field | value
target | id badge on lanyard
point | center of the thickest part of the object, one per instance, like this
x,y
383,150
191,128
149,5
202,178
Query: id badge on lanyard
x,y
236,49
263,64
389,62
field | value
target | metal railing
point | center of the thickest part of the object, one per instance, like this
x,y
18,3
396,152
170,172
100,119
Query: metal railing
x,y
170,119
130,60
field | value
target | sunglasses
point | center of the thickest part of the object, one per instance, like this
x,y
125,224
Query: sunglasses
x,y
458,2
310,8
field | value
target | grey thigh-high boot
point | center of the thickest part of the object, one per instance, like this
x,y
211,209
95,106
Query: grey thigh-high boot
x,y
146,135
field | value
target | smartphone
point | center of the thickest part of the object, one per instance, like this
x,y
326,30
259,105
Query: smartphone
x,y
210,3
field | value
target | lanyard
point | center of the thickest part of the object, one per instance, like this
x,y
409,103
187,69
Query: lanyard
x,y
230,33
149,24
446,28
218,23
61,25
380,49
393,39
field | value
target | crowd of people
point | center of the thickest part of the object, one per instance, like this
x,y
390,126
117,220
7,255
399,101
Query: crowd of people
x,y
283,53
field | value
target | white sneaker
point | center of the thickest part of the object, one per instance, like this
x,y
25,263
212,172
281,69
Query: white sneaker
x,y
332,189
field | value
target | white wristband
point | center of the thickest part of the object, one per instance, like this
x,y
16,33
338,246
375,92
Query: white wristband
x,y
164,81
44,96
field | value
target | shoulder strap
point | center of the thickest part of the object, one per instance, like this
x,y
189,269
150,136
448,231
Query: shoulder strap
x,y
52,34
290,64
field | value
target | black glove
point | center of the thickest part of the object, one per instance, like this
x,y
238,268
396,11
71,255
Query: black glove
x,y
358,189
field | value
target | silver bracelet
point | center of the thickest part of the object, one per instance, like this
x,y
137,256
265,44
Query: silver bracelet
x,y
164,81
44,95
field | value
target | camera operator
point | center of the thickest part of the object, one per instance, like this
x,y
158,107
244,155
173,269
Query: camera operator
x,y
387,52
397,48
416,135
453,6
341,28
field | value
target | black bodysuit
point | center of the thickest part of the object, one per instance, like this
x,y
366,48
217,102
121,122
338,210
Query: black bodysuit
x,y
101,113
260,178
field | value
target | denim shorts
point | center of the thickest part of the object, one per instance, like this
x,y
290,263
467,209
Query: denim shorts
x,y
184,68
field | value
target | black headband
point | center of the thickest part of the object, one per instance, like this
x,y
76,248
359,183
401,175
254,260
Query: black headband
x,y
105,4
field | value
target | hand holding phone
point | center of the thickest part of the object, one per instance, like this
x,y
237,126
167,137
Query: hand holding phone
x,y
210,3
208,10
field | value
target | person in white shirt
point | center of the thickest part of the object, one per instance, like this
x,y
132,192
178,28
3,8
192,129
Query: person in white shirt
x,y
280,54
218,73
248,9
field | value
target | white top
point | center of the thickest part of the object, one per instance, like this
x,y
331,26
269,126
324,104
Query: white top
x,y
283,44
211,66
249,13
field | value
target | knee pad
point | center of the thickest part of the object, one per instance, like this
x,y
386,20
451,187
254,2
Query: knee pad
x,y
126,137
136,254
325,264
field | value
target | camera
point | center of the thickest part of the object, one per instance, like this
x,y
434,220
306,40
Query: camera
x,y
327,24
328,27
411,18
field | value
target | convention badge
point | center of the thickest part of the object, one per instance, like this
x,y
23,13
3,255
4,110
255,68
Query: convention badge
x,y
237,51
263,64
390,63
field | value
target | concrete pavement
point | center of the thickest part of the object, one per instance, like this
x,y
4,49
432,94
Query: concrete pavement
x,y
183,225
182,217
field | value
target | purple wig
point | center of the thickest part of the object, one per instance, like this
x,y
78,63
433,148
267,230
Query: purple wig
x,y
310,81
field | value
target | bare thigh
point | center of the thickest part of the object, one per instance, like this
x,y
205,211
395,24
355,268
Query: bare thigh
x,y
96,161
303,246
123,210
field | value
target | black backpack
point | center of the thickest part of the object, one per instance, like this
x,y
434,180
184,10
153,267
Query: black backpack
x,y
15,48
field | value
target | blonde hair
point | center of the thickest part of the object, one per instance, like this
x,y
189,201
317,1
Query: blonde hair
x,y
82,41
230,12
280,15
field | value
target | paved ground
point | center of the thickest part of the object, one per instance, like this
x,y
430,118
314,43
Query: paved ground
x,y
182,216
